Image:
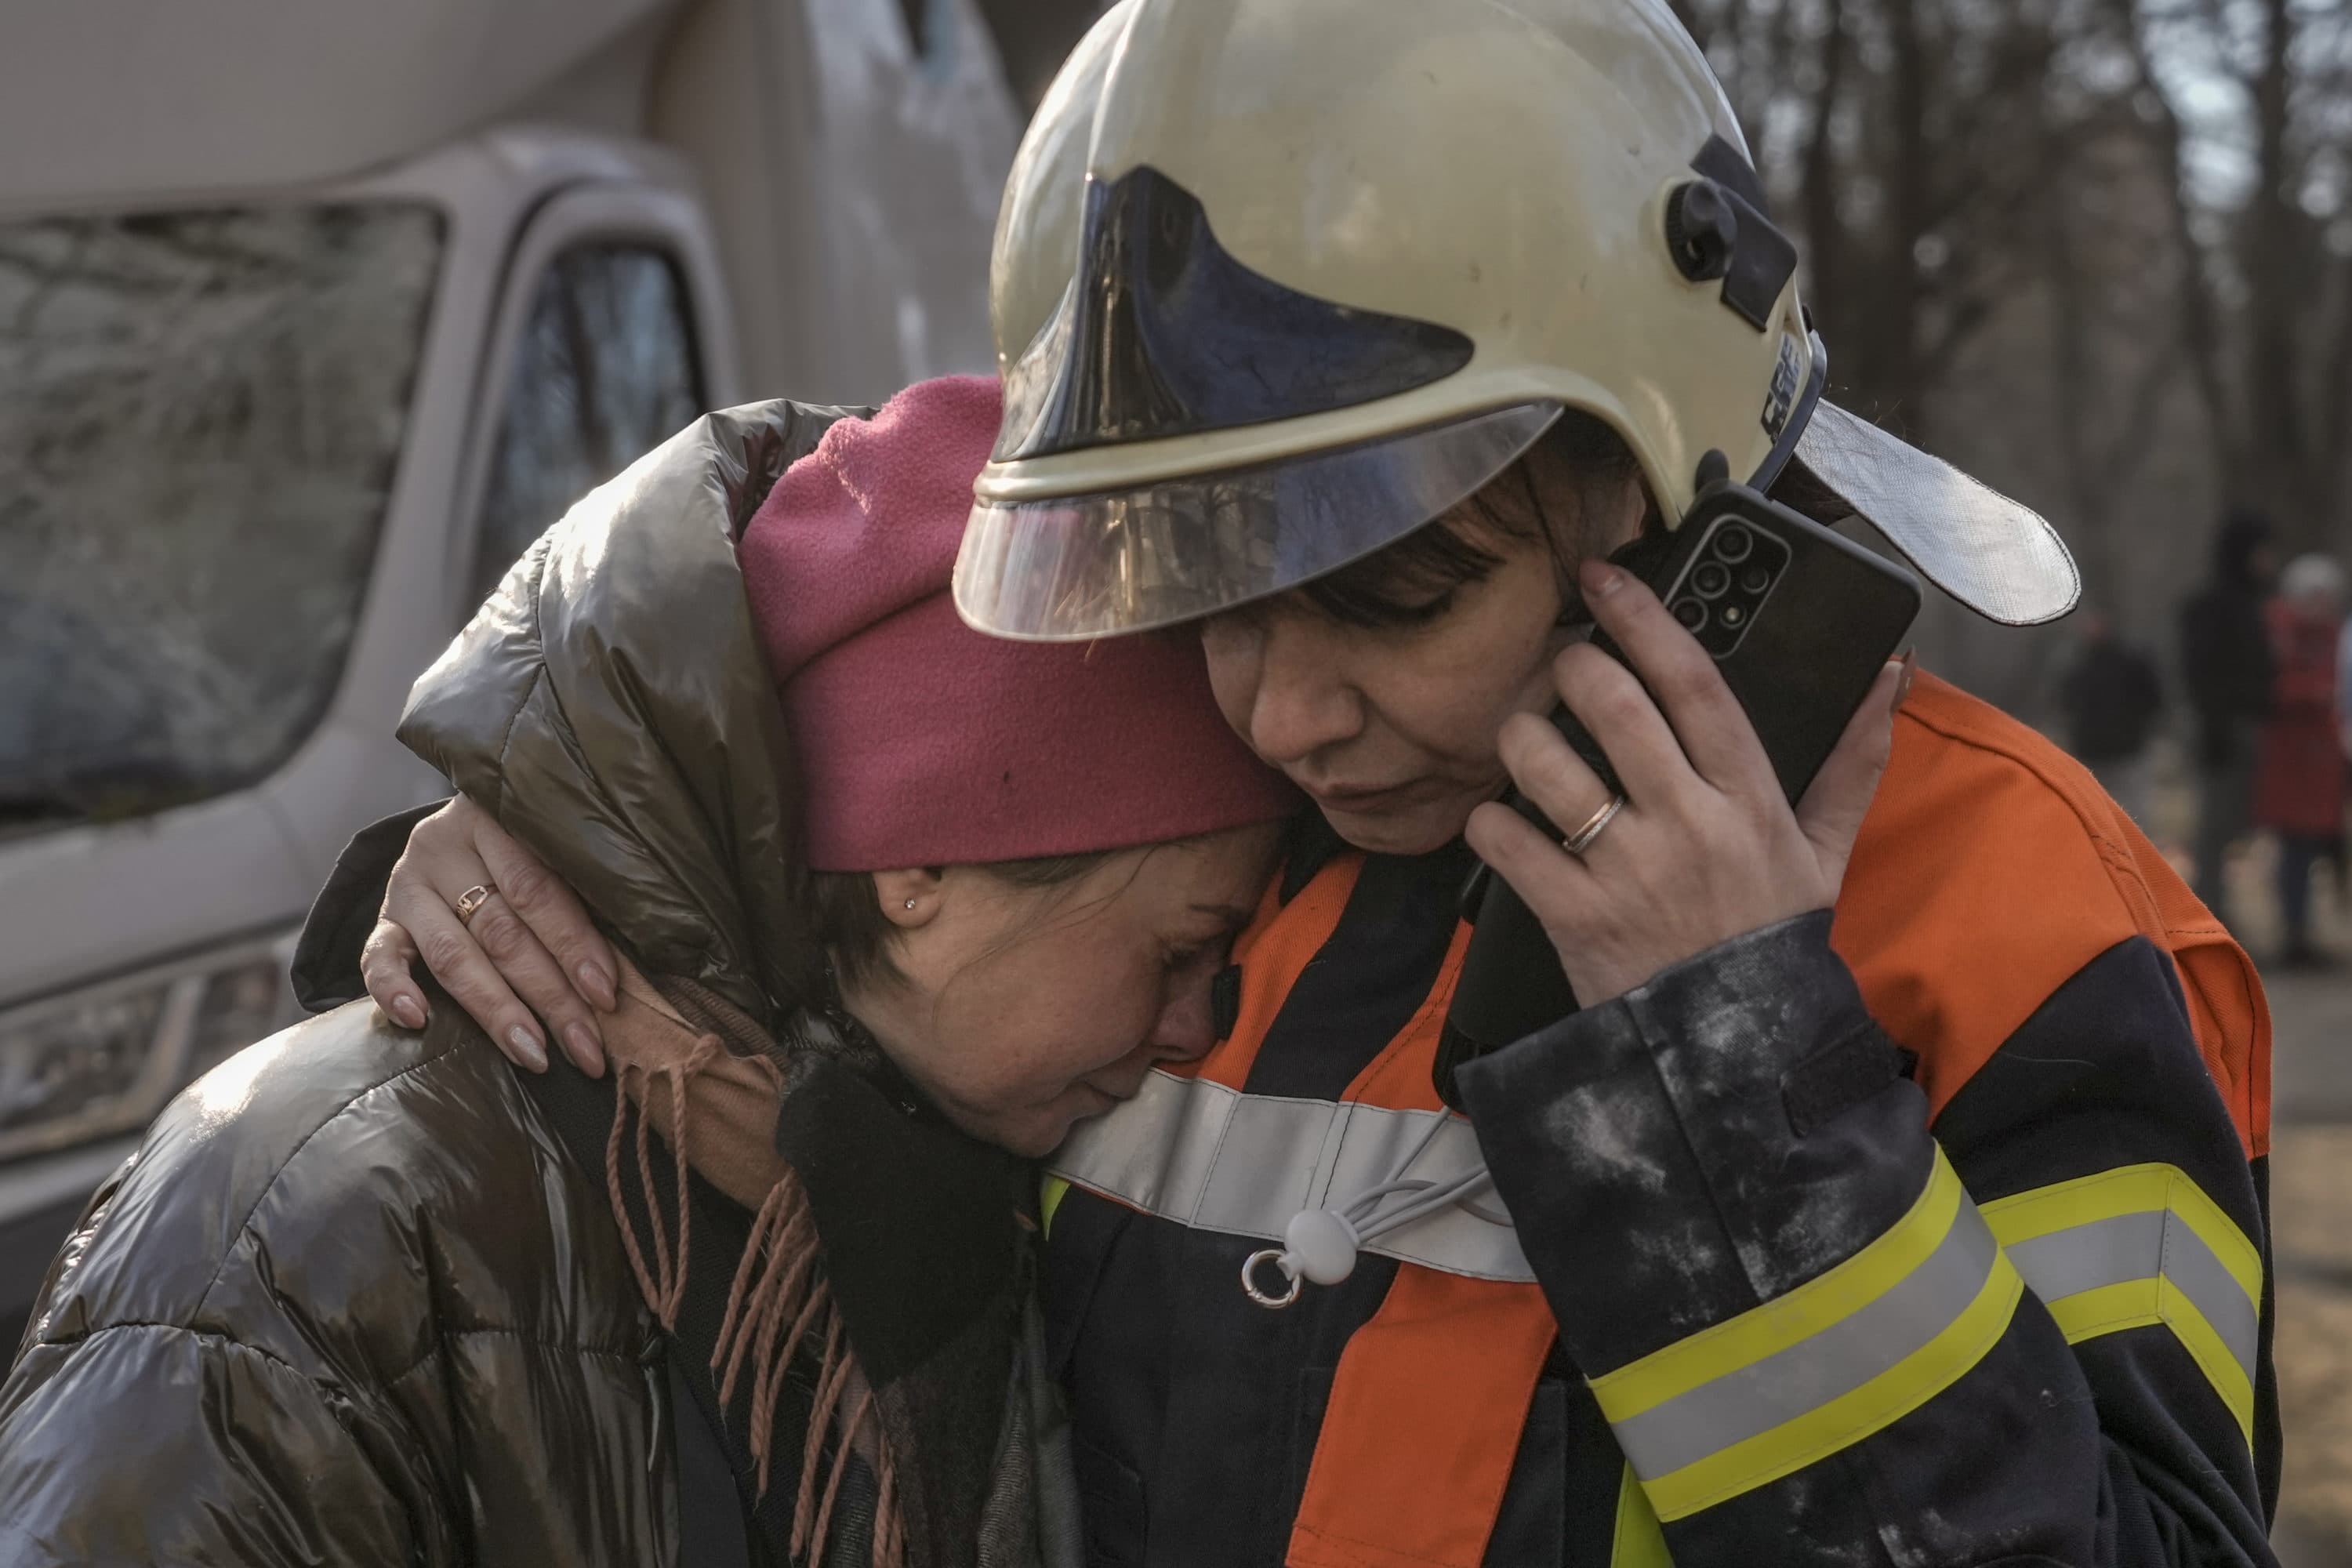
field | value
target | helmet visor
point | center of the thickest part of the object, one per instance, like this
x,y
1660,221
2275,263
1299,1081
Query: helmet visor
x,y
1069,568
1995,556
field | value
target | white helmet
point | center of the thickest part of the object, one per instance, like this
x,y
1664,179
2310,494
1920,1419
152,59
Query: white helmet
x,y
1338,263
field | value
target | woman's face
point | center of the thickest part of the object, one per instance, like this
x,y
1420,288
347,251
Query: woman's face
x,y
1019,1010
1391,729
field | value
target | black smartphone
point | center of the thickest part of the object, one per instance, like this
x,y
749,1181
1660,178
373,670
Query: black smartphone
x,y
1799,621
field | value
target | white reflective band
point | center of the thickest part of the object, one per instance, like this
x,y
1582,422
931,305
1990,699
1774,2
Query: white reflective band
x,y
1779,1386
1821,1367
2064,1264
1812,1372
2139,1246
1213,1158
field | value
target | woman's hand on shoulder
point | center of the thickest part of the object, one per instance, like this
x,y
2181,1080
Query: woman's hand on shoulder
x,y
527,951
1705,847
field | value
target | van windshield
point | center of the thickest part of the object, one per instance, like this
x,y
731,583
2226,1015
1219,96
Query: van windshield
x,y
200,412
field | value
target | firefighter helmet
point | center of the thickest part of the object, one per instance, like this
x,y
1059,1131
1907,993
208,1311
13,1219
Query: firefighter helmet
x,y
1277,281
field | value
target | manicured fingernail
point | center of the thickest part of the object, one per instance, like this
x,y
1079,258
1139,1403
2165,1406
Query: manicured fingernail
x,y
409,1011
585,1047
1910,667
527,1046
598,986
1600,578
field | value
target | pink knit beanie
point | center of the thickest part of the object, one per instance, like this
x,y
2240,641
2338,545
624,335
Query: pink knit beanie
x,y
923,742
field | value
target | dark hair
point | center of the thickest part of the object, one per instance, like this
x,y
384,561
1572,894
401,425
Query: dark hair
x,y
1411,582
844,910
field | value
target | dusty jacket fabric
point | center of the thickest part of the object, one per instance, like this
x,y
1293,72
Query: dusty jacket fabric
x,y
355,1300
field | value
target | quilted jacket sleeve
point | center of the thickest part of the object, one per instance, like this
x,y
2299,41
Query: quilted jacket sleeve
x,y
261,1467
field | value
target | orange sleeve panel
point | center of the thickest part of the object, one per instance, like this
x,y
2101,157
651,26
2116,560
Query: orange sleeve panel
x,y
1992,869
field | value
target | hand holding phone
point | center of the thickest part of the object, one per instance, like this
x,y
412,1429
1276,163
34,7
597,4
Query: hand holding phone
x,y
1721,687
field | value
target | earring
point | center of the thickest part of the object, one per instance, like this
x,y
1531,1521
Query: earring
x,y
910,903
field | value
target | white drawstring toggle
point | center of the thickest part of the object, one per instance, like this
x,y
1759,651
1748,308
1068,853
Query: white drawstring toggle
x,y
1319,1246
1322,1246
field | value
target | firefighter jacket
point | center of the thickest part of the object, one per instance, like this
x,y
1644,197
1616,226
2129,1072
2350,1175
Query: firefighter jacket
x,y
1925,1231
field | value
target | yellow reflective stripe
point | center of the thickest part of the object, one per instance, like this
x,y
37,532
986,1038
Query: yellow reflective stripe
x,y
1846,1420
2241,1257
2146,1303
2130,1189
1866,1343
2086,1314
2213,1355
2160,1295
1818,1304
1050,1194
1639,1542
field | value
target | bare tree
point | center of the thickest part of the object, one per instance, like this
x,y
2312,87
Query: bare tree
x,y
2266,306
2101,249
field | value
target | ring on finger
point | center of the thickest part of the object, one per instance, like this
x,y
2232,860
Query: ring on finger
x,y
1577,842
471,900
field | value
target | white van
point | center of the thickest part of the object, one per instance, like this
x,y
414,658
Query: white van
x,y
311,318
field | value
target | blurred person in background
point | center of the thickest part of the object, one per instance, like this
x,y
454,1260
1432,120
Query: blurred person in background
x,y
2344,698
2299,778
2112,697
2227,668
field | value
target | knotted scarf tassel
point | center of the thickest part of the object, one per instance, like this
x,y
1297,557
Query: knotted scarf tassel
x,y
664,1283
777,1270
777,1301
850,1433
832,1376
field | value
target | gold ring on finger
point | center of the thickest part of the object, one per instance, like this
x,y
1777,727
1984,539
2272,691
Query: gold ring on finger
x,y
1577,842
470,902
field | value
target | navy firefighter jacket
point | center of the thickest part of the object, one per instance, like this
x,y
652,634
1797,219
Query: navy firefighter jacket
x,y
1927,1231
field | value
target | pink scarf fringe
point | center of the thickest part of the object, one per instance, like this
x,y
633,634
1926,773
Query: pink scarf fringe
x,y
778,1302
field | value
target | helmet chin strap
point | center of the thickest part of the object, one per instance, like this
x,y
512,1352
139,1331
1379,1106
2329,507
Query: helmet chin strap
x,y
1636,554
1639,553
1784,446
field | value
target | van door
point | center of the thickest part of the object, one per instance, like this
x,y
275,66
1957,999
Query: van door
x,y
613,334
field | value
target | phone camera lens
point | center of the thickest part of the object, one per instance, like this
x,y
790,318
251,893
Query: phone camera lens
x,y
1710,580
1756,579
1691,613
1734,615
1733,543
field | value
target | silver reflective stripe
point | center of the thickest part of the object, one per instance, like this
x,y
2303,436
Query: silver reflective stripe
x,y
2201,1276
2145,1246
2129,1247
1808,1374
1213,1158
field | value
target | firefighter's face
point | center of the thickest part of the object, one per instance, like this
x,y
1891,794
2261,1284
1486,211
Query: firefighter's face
x,y
1020,1009
1390,726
